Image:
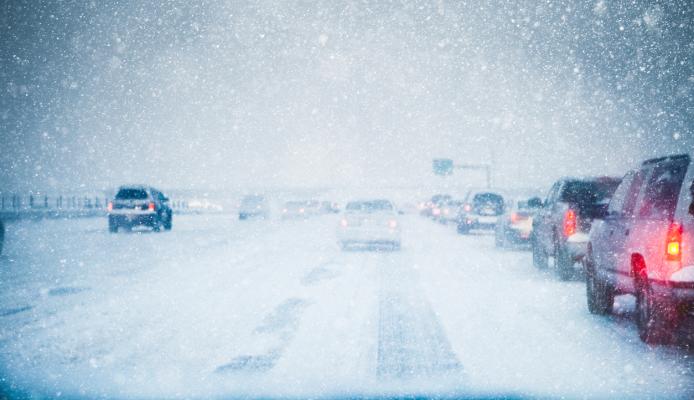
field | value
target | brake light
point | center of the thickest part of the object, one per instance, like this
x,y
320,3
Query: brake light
x,y
673,242
516,217
467,208
110,206
151,207
344,223
436,211
392,224
570,223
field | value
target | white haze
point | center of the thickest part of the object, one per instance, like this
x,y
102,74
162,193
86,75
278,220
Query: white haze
x,y
234,95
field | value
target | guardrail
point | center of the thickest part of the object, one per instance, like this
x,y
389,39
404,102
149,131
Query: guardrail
x,y
37,206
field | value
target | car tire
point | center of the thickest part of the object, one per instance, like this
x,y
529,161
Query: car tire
x,y
655,317
168,224
540,260
112,226
563,262
599,294
499,239
157,224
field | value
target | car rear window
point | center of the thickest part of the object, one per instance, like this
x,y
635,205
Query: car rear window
x,y
488,199
131,194
589,192
369,206
662,190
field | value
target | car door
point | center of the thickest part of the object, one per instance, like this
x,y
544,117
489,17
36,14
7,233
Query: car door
x,y
685,216
542,225
605,243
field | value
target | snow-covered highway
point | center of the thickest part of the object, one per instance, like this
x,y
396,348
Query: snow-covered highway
x,y
268,307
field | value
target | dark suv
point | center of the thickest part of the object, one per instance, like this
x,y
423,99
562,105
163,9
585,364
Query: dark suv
x,y
480,210
139,206
560,228
644,247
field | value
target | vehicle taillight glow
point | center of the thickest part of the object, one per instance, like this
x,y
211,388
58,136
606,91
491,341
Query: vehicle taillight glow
x,y
570,223
515,217
110,206
344,223
467,208
436,211
151,207
673,242
392,224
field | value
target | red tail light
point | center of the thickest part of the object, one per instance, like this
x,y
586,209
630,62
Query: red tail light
x,y
515,217
467,208
110,206
570,223
151,207
673,242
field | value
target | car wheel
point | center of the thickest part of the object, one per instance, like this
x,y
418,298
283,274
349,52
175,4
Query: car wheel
x,y
156,225
168,224
599,295
563,262
112,227
499,239
540,260
655,318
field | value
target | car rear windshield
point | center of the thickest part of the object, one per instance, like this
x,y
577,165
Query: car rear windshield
x,y
663,189
589,192
369,206
488,200
131,194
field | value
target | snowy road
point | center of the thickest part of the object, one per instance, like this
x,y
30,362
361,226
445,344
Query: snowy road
x,y
218,306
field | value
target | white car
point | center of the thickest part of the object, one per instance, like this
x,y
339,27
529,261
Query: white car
x,y
369,223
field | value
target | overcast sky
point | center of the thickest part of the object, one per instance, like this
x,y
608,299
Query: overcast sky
x,y
294,93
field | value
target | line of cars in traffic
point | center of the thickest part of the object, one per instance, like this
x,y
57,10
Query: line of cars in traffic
x,y
370,223
630,235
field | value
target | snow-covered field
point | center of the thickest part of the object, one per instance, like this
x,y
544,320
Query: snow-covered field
x,y
222,307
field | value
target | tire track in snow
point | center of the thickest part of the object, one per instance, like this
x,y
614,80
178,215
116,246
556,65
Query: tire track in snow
x,y
411,339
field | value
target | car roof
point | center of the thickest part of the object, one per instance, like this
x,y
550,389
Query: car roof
x,y
676,157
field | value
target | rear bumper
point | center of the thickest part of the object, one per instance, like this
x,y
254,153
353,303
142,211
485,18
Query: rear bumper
x,y
681,292
356,235
478,222
134,219
577,245
517,235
